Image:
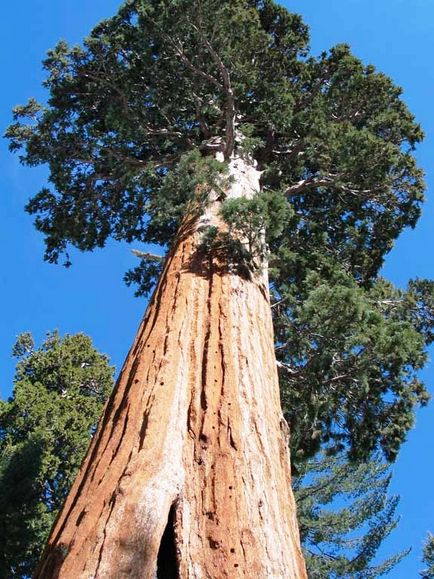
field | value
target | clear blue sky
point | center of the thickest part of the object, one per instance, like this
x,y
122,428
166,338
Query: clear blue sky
x,y
395,35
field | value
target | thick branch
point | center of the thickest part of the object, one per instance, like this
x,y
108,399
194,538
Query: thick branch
x,y
287,368
227,87
147,255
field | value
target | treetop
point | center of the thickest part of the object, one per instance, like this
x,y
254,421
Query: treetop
x,y
164,79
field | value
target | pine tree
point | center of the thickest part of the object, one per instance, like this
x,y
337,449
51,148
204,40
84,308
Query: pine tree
x,y
344,514
428,558
205,127
59,392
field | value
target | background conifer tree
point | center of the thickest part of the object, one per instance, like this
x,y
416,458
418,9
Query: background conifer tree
x,y
59,392
428,558
345,513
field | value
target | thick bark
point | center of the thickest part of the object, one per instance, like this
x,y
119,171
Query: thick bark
x,y
188,474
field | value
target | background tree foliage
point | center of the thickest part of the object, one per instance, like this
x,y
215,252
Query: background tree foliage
x,y
45,427
130,129
344,514
428,558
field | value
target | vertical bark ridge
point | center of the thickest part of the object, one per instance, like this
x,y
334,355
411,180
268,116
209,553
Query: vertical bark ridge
x,y
190,448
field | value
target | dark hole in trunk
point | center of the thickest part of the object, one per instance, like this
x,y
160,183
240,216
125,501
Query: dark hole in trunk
x,y
167,564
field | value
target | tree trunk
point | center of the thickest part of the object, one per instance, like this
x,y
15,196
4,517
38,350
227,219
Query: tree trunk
x,y
188,474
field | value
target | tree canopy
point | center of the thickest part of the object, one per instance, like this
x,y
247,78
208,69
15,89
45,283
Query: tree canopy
x,y
59,392
134,118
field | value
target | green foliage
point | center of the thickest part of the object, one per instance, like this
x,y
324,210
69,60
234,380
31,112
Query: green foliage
x,y
350,358
344,514
349,168
112,130
428,558
183,191
134,118
243,244
144,276
250,220
230,251
59,391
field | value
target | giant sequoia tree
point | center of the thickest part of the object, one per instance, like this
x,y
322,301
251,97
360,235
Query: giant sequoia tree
x,y
206,128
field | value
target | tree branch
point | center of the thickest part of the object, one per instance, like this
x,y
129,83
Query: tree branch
x,y
147,255
179,51
227,88
325,181
287,368
198,71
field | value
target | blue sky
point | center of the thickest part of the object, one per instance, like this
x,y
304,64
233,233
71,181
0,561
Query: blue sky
x,y
395,35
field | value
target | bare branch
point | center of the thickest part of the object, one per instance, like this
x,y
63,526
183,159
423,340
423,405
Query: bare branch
x,y
287,368
147,255
276,304
305,184
329,181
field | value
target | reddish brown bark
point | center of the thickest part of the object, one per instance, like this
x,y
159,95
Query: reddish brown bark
x,y
189,469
